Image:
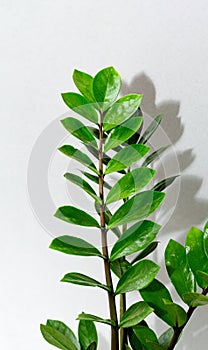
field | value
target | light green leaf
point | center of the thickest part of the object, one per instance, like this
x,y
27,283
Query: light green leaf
x,y
106,87
75,216
83,280
83,82
79,130
197,256
130,184
121,110
126,157
74,246
87,335
178,269
135,314
176,312
127,347
163,184
165,338
137,276
145,335
154,346
89,317
150,248
195,299
151,129
77,180
153,156
136,238
136,208
80,105
119,266
79,156
203,275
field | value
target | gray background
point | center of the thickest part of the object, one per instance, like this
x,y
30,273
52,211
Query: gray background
x,y
161,49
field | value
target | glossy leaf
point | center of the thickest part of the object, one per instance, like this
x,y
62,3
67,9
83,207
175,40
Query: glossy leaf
x,y
79,130
92,346
135,138
79,156
83,82
153,156
89,317
163,184
197,256
136,238
178,269
195,299
151,129
176,312
119,266
121,110
106,87
136,208
83,280
145,335
75,216
165,338
137,276
130,184
135,314
58,334
150,248
87,335
134,341
203,275
80,105
74,246
77,180
206,238
122,133
95,179
108,216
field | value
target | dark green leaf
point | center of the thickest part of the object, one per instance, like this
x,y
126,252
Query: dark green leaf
x,y
83,280
74,246
166,337
134,341
136,238
119,266
135,314
94,318
126,157
79,130
136,208
154,155
203,275
75,216
83,82
150,248
195,299
79,156
87,335
95,179
178,269
77,180
136,136
151,129
108,216
137,276
130,184
145,335
176,312
121,110
106,87
162,185
80,105
197,256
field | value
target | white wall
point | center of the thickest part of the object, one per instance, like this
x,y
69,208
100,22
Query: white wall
x,y
160,48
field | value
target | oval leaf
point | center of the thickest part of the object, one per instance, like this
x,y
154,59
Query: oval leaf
x,y
119,266
176,312
87,335
136,208
166,337
83,82
79,130
195,299
145,335
77,180
151,129
83,280
94,318
137,276
154,155
206,238
121,111
75,216
163,184
203,275
150,248
135,314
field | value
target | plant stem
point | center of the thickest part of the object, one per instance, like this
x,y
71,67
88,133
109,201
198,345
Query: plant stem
x,y
111,297
123,332
178,330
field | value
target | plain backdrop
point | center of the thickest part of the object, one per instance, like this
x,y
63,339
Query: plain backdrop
x,y
160,48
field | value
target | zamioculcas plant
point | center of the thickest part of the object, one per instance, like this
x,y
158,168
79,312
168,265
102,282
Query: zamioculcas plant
x,y
115,143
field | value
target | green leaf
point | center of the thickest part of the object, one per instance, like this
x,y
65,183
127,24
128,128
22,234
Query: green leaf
x,y
119,266
126,157
95,179
108,216
121,110
74,246
165,338
195,299
77,180
203,275
130,184
83,280
80,105
79,156
137,276
136,238
75,216
134,341
136,208
145,335
162,185
178,269
153,156
136,136
135,314
58,334
127,347
106,87
176,312
89,317
122,133
151,129
87,335
79,130
83,82
197,256
150,248
206,238
92,346
154,346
